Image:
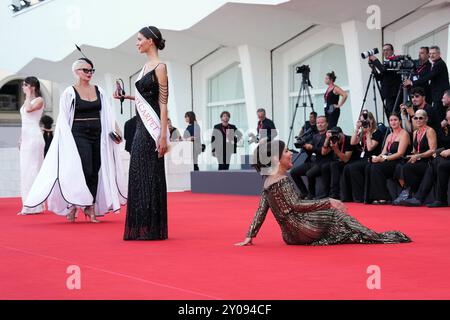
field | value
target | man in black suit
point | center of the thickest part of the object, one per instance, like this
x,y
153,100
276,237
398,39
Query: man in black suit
x,y
224,141
390,80
438,79
422,69
129,131
266,128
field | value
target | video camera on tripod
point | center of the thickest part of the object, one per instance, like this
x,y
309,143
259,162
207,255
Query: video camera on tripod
x,y
400,64
305,138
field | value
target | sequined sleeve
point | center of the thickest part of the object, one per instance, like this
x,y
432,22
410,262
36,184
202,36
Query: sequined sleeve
x,y
259,217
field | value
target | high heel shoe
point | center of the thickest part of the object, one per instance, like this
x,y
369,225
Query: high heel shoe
x,y
90,212
71,216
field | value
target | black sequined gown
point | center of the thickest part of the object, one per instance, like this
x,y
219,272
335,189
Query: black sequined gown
x,y
147,193
313,222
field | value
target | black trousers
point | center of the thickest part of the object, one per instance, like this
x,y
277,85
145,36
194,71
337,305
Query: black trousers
x,y
87,135
379,175
390,104
443,175
413,174
333,118
356,181
311,170
331,175
224,161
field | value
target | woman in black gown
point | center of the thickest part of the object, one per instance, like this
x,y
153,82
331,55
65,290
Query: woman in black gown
x,y
147,194
302,222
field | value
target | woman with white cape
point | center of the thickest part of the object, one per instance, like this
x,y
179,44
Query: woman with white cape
x,y
147,201
83,167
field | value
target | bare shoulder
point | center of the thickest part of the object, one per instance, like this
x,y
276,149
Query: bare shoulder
x,y
161,72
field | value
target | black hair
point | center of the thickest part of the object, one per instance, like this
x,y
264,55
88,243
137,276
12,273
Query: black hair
x,y
418,90
34,82
47,122
332,76
427,49
225,112
314,114
337,129
191,116
153,33
390,45
395,114
265,151
88,61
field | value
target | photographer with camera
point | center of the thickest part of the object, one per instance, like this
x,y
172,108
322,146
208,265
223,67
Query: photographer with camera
x,y
312,168
266,130
437,78
419,102
368,140
332,104
310,125
423,67
390,80
384,165
339,145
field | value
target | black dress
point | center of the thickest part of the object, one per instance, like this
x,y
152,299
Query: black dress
x,y
331,112
147,192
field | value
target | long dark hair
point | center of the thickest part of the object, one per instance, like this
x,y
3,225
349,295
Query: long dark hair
x,y
191,116
153,33
265,151
34,82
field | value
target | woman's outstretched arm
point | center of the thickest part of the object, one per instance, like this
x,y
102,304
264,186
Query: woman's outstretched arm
x,y
257,222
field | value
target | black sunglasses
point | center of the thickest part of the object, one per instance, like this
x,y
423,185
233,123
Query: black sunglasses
x,y
418,118
87,71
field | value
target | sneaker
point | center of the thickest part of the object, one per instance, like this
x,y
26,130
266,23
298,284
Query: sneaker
x,y
413,202
404,195
437,204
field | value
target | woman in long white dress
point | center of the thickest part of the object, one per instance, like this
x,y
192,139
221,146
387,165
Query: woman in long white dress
x,y
31,142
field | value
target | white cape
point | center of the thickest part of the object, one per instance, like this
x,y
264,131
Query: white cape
x,y
61,179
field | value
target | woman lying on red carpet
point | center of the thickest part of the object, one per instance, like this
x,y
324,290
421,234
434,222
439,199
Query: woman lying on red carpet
x,y
316,222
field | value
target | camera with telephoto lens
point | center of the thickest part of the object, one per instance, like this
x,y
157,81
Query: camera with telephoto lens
x,y
365,122
369,53
335,136
400,63
305,138
304,69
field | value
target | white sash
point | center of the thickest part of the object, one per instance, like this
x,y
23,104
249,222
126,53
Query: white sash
x,y
148,115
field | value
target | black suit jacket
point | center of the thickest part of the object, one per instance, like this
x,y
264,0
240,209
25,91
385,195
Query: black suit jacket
x,y
420,72
438,79
221,138
390,80
267,126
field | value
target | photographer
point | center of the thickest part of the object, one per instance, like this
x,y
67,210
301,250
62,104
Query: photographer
x,y
390,80
339,145
438,79
419,103
312,168
423,67
368,140
311,124
383,166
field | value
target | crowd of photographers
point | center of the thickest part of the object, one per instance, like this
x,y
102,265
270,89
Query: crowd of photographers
x,y
399,165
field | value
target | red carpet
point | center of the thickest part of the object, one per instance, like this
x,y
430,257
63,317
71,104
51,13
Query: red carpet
x,y
199,260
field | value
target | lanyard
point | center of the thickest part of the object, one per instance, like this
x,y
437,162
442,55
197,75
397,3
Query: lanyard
x,y
419,137
391,142
328,93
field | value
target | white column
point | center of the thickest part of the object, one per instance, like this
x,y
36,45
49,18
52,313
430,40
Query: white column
x,y
179,93
358,38
255,66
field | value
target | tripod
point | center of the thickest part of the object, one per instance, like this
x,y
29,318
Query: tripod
x,y
402,91
304,95
375,86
